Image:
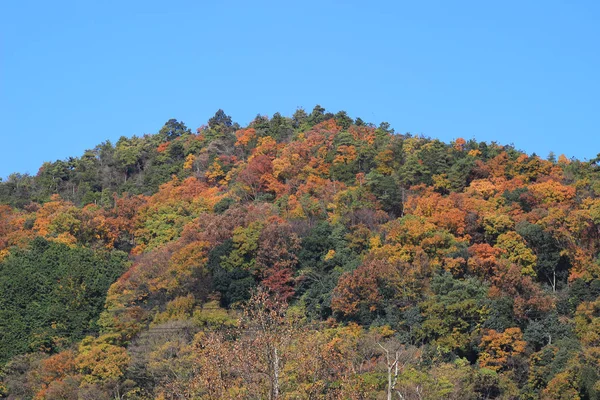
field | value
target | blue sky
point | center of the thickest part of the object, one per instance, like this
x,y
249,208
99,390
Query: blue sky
x,y
76,73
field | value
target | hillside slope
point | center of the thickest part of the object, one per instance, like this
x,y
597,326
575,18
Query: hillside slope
x,y
315,256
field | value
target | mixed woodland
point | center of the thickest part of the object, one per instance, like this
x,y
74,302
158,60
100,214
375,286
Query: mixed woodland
x,y
316,256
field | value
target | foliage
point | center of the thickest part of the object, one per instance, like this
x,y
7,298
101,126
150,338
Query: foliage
x,y
52,294
314,256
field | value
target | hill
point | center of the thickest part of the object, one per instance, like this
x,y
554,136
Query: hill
x,y
316,256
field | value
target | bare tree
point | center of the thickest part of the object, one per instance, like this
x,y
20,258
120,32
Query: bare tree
x,y
397,357
265,332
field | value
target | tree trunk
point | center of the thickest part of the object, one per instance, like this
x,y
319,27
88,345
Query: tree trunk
x,y
389,391
275,377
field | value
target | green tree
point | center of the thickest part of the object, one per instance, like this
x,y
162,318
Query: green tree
x,y
51,294
173,129
453,312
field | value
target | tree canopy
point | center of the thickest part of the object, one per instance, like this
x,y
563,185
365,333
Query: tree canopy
x,y
314,256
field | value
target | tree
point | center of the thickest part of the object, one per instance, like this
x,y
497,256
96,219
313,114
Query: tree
x,y
317,115
52,294
516,251
276,258
358,294
102,360
453,313
264,336
299,118
550,265
343,120
128,156
397,357
255,176
172,130
220,119
499,349
216,368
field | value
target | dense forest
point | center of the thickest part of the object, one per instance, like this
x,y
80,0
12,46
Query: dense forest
x,y
308,257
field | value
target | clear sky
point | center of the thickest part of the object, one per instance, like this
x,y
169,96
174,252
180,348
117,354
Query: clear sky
x,y
76,73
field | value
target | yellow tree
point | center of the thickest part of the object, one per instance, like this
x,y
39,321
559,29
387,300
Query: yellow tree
x,y
500,348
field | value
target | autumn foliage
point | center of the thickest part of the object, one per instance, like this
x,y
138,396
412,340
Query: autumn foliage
x,y
314,256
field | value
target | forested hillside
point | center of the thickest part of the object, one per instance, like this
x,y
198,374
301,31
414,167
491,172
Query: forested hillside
x,y
311,257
